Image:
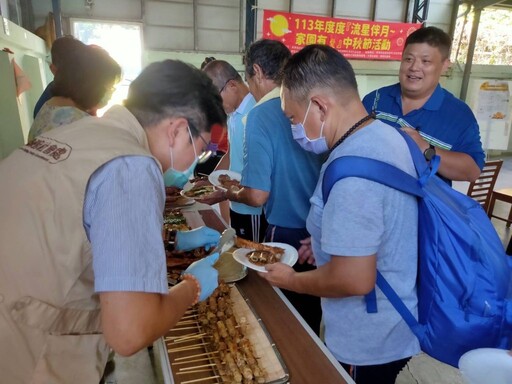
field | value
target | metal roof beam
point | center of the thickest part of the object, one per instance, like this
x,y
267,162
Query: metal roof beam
x,y
481,4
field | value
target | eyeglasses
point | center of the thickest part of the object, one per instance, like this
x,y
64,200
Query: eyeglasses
x,y
224,86
205,154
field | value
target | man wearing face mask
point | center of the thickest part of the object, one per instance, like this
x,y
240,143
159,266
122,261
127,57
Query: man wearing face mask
x,y
363,226
83,263
277,173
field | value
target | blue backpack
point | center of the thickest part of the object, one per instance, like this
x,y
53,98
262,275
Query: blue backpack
x,y
464,275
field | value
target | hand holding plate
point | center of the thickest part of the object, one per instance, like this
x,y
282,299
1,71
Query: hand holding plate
x,y
279,275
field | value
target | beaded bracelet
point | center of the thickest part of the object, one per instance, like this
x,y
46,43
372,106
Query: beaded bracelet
x,y
191,277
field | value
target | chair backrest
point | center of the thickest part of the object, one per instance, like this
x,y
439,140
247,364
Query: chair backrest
x,y
481,189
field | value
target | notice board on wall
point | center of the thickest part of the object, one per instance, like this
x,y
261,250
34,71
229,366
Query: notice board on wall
x,y
492,110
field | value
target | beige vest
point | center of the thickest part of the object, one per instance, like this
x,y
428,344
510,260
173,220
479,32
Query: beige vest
x,y
50,329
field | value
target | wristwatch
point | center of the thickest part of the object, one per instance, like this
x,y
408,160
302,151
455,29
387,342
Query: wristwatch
x,y
170,239
430,152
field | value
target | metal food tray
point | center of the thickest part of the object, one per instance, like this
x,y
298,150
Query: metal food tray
x,y
264,348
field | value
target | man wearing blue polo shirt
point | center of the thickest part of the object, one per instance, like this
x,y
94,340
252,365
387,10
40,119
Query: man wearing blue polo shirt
x,y
277,172
436,120
248,222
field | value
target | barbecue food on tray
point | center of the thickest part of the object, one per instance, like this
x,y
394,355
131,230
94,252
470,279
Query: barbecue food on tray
x,y
236,362
175,221
182,259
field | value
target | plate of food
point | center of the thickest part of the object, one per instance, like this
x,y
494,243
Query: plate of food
x,y
256,255
224,179
173,198
199,192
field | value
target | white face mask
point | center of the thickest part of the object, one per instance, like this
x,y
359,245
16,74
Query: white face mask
x,y
318,145
175,178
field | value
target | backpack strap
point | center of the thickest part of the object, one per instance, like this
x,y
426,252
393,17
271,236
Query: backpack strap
x,y
400,307
391,176
371,169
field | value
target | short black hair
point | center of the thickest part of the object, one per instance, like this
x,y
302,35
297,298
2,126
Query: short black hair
x,y
63,50
270,55
433,36
221,72
172,88
207,60
318,66
87,76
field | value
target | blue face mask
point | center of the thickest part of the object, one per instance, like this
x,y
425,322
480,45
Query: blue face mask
x,y
317,146
175,178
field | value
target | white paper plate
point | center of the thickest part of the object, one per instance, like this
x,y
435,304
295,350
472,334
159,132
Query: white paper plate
x,y
486,366
290,256
214,177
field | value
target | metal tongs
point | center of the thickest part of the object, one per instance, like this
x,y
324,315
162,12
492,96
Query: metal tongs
x,y
227,237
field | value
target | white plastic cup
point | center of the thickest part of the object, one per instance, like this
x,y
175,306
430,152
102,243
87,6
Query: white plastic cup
x,y
486,366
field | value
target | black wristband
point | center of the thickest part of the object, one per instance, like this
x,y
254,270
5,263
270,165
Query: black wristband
x,y
430,152
170,239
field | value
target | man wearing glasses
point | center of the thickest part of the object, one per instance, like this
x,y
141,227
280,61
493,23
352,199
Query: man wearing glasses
x,y
248,221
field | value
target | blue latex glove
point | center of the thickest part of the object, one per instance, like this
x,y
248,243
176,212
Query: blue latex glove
x,y
206,275
199,237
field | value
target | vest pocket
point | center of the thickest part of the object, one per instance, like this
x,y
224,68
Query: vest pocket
x,y
71,359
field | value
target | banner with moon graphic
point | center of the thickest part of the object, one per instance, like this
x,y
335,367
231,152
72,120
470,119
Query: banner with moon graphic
x,y
355,39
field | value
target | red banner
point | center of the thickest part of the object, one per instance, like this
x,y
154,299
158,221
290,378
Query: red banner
x,y
355,39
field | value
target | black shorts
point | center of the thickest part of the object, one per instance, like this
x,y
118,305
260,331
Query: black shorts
x,y
249,227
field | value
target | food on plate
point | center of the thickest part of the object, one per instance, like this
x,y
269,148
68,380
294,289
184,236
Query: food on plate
x,y
200,191
173,199
175,221
243,243
172,193
227,182
200,181
262,257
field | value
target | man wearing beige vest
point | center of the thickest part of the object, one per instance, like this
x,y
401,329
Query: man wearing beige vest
x,y
82,266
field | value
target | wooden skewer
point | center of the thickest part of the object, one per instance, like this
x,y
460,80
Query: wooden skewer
x,y
190,361
186,322
183,328
187,348
198,380
197,367
197,355
190,338
180,336
191,372
188,317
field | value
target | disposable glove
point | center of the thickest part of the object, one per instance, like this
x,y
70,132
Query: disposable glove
x,y
199,237
205,274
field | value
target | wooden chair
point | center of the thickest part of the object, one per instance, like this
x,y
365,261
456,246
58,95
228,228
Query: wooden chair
x,y
504,195
481,189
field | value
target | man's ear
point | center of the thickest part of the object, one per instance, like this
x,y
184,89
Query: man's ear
x,y
175,127
321,104
446,65
258,72
53,69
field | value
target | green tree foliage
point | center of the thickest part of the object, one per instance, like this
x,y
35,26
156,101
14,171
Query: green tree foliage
x,y
493,45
